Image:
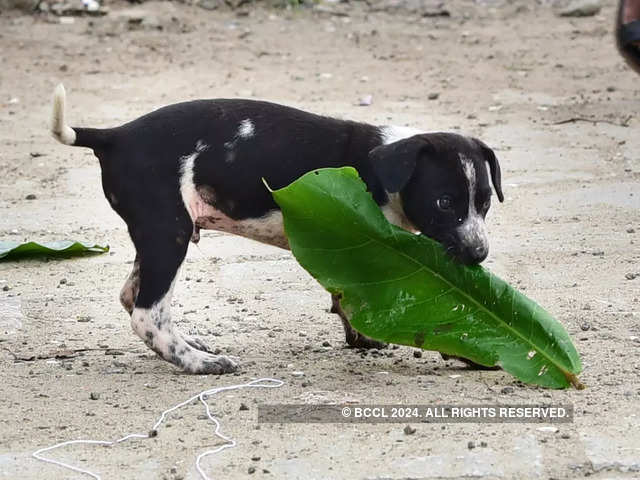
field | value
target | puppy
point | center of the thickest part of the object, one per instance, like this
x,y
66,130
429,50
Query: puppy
x,y
199,164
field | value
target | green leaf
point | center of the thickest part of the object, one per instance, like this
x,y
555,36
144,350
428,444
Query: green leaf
x,y
12,250
403,288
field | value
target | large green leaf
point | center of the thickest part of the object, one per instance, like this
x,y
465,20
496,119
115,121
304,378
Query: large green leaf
x,y
10,250
402,288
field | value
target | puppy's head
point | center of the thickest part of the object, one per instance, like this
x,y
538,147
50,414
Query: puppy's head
x,y
443,183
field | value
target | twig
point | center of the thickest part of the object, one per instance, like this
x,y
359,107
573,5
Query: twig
x,y
624,123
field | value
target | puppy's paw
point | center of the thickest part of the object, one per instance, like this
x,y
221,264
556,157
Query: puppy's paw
x,y
213,364
362,341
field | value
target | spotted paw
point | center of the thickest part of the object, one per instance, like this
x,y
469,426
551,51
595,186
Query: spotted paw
x,y
213,364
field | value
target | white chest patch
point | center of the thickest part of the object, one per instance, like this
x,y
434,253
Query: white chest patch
x,y
394,213
268,229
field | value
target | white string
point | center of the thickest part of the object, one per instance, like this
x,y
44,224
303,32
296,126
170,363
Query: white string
x,y
202,396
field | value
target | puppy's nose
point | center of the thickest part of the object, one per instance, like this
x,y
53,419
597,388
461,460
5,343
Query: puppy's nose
x,y
480,253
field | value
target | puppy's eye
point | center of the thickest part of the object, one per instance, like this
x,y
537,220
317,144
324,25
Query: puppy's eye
x,y
444,203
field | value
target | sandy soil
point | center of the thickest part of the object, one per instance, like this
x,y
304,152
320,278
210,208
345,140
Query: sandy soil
x,y
512,73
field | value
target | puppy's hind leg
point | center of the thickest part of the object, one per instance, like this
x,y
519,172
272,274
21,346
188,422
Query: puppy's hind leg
x,y
353,337
160,255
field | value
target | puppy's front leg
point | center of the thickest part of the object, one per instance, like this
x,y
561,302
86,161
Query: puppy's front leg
x,y
353,337
160,255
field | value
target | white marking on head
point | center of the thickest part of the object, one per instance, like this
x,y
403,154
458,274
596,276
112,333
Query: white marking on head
x,y
246,129
472,232
391,133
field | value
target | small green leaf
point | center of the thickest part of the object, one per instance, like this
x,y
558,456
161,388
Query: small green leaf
x,y
403,288
13,250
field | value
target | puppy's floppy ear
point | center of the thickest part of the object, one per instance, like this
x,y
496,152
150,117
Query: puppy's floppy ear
x,y
394,163
494,168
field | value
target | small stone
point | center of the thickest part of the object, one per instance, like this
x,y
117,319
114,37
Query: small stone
x,y
471,445
547,429
417,354
326,344
433,96
31,196
632,276
565,436
94,396
365,101
483,444
581,8
506,390
255,459
6,288
630,230
243,407
409,430
585,326
63,281
251,470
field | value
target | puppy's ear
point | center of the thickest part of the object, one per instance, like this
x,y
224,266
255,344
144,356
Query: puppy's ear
x,y
494,168
394,163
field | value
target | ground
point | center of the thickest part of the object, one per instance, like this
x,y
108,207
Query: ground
x,y
550,94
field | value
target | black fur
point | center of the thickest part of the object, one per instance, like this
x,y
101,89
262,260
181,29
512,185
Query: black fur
x,y
141,164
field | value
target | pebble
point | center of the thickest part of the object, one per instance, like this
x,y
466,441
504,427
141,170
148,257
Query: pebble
x,y
433,96
326,344
632,276
585,326
409,430
243,407
417,354
6,288
31,196
581,8
94,396
471,445
506,390
251,470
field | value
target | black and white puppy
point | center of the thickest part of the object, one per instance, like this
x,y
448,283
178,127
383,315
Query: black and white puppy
x,y
199,165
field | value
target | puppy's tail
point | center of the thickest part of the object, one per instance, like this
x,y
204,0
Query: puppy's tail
x,y
80,137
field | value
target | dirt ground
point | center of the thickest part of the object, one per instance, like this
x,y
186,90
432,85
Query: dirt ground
x,y
549,93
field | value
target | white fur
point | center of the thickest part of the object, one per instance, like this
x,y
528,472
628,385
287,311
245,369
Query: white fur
x,y
393,133
60,130
268,229
473,232
154,326
246,129
394,213
187,186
